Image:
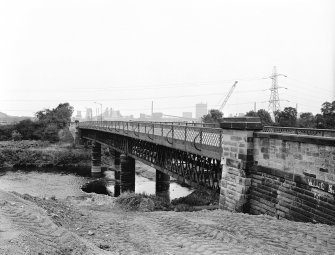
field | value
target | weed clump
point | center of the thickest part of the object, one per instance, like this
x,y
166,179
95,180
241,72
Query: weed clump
x,y
142,202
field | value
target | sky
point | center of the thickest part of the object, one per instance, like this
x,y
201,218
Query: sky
x,y
126,54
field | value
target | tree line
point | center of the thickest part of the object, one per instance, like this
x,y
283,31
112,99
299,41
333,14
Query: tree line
x,y
287,117
47,125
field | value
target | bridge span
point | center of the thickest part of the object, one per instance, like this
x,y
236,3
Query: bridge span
x,y
189,153
284,172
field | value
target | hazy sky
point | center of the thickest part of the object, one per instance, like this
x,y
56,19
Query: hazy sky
x,y
124,54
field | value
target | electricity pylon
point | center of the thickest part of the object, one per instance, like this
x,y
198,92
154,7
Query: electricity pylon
x,y
274,102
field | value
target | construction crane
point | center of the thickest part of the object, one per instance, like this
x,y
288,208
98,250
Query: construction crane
x,y
228,95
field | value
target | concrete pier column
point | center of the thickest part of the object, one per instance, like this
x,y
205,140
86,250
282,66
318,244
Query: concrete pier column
x,y
162,184
127,174
96,160
117,173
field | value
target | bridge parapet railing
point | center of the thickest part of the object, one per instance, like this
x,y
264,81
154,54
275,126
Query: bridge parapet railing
x,y
201,137
300,131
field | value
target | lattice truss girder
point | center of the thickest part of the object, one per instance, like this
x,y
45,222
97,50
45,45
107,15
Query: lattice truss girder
x,y
195,168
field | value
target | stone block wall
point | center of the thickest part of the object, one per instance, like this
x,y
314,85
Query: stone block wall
x,y
293,177
237,159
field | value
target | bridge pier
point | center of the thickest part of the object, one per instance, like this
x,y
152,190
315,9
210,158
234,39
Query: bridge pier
x,y
96,160
117,173
237,162
127,175
162,185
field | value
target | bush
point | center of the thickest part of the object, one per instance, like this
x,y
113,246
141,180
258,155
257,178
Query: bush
x,y
198,197
6,132
142,202
16,136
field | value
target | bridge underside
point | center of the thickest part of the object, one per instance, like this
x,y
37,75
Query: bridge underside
x,y
190,168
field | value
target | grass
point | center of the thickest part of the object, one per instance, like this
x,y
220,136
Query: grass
x,y
40,154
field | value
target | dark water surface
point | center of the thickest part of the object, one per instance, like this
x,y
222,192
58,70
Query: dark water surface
x,y
54,182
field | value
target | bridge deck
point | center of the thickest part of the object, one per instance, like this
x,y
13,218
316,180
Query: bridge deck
x,y
204,141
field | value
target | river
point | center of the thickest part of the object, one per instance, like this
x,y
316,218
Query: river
x,y
49,182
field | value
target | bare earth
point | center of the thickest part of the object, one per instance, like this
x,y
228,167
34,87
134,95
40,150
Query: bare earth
x,y
92,224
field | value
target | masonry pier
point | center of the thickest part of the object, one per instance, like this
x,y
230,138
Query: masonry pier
x,y
96,159
117,173
237,162
127,174
162,185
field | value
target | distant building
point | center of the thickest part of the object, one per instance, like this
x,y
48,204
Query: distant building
x,y
187,115
142,116
200,110
78,115
89,114
157,115
106,113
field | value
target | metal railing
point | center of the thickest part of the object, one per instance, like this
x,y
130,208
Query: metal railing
x,y
300,131
170,131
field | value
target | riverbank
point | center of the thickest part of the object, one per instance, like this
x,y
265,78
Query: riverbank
x,y
42,154
94,224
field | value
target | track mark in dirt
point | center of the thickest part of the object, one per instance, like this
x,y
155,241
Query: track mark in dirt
x,y
39,233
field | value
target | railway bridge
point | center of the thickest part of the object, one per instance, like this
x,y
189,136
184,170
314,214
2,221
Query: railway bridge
x,y
283,172
190,153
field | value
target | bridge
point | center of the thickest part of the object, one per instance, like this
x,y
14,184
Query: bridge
x,y
283,172
189,152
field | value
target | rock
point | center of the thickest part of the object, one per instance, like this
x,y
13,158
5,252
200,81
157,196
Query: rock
x,y
2,203
96,186
104,246
90,233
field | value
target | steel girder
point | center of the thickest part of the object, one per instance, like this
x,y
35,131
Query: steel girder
x,y
190,168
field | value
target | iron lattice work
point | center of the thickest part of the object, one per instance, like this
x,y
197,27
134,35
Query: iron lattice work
x,y
300,131
205,141
191,168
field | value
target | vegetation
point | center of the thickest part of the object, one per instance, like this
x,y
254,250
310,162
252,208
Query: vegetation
x,y
41,154
199,197
142,202
48,125
214,116
264,116
287,117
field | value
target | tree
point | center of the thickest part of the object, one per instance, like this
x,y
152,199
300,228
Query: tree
x,y
61,115
307,120
328,115
287,117
263,115
27,129
50,122
6,132
214,116
50,133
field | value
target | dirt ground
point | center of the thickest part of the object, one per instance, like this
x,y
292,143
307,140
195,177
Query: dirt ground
x,y
93,224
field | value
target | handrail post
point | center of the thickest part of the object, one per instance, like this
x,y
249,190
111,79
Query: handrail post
x,y
201,137
220,142
172,133
185,133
